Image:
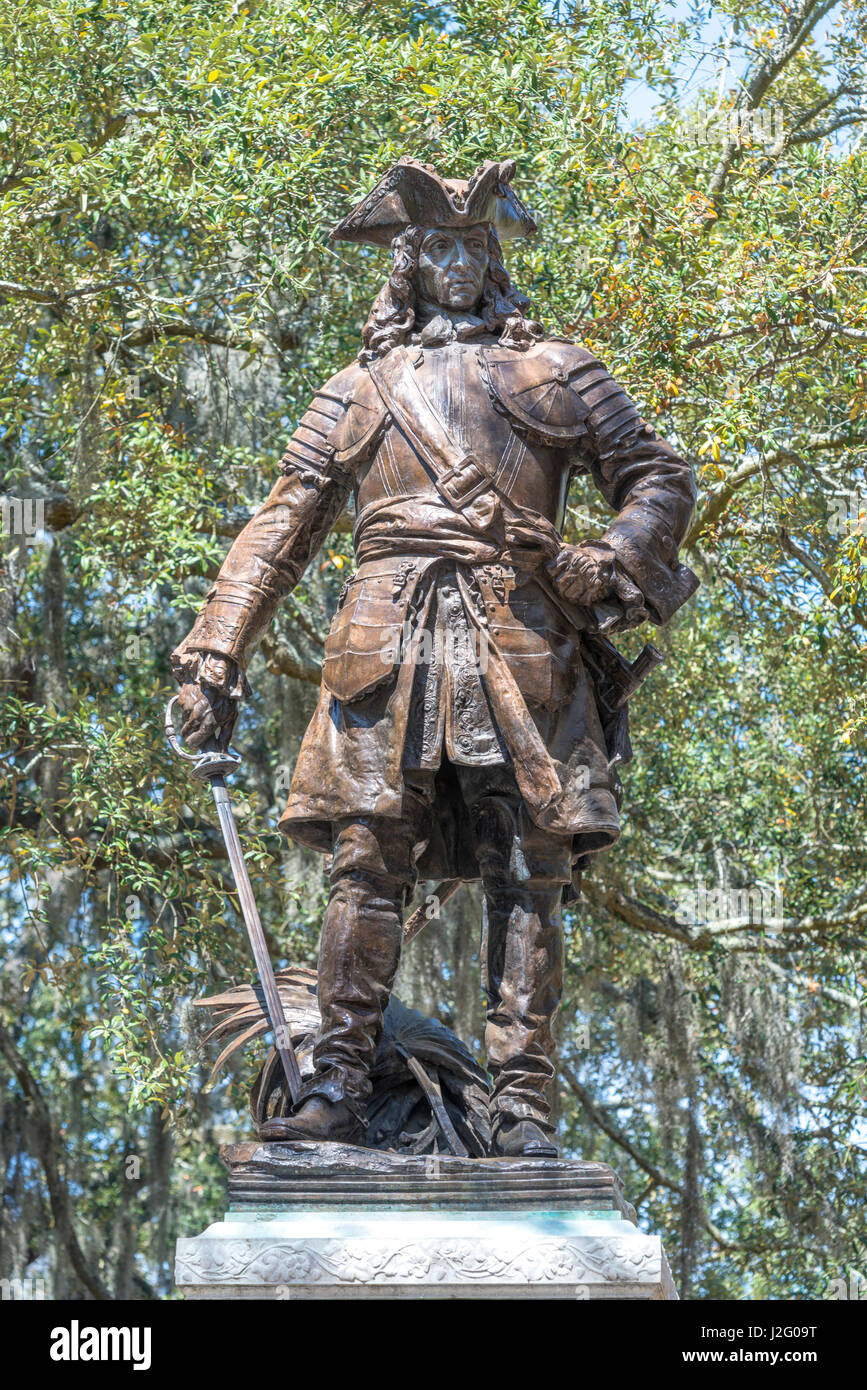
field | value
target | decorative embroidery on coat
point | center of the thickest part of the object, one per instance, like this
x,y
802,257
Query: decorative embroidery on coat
x,y
402,575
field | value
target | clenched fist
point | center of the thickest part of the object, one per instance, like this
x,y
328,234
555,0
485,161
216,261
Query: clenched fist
x,y
211,687
209,715
587,574
583,574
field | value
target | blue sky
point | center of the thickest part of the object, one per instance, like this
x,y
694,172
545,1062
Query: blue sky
x,y
703,68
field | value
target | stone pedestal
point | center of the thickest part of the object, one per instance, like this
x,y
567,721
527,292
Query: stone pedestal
x,y
336,1221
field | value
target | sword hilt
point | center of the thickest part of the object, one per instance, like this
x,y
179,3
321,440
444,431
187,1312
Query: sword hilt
x,y
209,763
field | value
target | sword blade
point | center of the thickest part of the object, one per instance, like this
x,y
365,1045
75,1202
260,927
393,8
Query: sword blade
x,y
253,923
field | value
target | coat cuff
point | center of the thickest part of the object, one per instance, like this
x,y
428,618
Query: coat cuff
x,y
650,561
193,667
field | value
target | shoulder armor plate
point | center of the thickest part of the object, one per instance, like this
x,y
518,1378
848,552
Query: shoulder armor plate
x,y
543,389
362,415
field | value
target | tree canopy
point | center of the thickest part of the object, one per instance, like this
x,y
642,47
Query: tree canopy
x,y
169,301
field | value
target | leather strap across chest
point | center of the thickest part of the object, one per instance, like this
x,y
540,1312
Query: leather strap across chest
x,y
460,477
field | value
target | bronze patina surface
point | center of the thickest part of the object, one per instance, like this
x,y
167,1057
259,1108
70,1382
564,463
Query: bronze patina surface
x,y
322,1176
472,713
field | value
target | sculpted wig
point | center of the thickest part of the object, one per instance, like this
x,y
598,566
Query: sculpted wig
x,y
392,317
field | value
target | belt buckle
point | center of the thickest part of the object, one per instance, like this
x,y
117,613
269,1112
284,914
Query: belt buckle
x,y
457,495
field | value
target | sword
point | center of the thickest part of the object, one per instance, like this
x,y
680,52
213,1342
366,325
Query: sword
x,y
212,767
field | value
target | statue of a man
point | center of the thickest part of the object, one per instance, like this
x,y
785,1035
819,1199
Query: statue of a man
x,y
469,722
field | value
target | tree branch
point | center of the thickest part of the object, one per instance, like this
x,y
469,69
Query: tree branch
x,y
603,1121
280,662
842,330
645,918
795,32
61,511
49,1145
829,441
724,935
179,328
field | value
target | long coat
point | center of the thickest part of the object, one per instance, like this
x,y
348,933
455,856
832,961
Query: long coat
x,y
450,644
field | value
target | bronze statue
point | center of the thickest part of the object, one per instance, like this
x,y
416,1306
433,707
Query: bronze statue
x,y
472,710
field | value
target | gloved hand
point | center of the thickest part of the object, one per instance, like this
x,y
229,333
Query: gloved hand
x,y
583,573
588,574
211,689
209,715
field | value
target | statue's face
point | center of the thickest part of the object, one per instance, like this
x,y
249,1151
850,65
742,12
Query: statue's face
x,y
452,265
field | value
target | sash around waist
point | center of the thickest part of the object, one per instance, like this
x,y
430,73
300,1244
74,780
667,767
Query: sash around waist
x,y
422,526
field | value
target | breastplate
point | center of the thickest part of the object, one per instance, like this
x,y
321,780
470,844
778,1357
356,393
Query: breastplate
x,y
532,475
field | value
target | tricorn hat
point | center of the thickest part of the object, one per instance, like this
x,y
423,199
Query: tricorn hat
x,y
414,194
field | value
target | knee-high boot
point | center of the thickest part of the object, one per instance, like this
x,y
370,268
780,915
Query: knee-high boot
x,y
358,958
522,974
372,872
